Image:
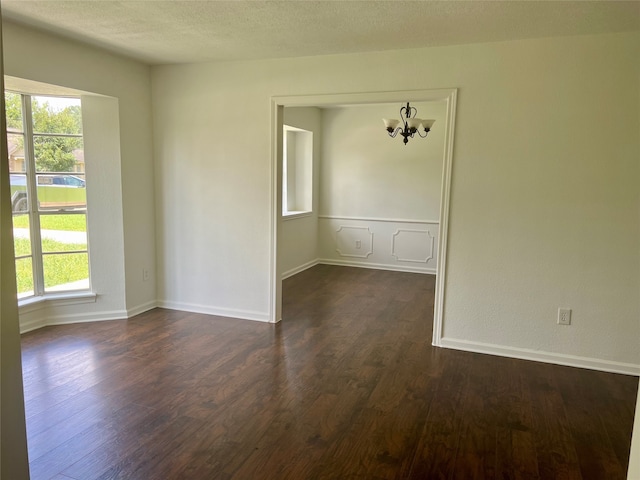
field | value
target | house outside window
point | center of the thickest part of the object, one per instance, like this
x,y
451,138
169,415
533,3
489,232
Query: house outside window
x,y
48,193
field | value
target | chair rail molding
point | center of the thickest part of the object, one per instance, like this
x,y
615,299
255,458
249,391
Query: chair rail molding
x,y
378,219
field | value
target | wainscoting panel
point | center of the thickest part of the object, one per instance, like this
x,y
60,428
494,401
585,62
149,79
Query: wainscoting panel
x,y
393,244
354,242
412,245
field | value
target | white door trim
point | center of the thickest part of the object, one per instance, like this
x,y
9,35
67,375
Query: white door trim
x,y
362,98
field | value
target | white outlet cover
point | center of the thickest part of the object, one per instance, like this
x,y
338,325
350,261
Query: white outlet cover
x,y
564,316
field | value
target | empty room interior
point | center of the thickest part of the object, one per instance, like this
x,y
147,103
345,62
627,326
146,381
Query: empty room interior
x,y
257,279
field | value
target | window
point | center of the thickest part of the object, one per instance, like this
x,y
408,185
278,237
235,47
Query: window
x,y
297,171
48,193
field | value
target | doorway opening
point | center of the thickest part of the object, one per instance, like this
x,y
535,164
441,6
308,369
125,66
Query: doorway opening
x,y
402,237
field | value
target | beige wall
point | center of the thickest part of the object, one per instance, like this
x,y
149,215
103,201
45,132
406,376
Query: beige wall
x,y
298,245
121,200
13,439
544,207
545,199
379,198
369,189
364,173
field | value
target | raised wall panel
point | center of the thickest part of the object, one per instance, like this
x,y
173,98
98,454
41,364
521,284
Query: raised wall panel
x,y
400,244
412,245
354,242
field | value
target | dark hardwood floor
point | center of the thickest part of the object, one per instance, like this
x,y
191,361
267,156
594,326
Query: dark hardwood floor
x,y
346,387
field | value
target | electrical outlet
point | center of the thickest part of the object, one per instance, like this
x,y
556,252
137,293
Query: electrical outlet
x,y
145,274
358,244
564,316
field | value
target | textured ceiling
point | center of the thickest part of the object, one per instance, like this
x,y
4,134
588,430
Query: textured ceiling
x,y
160,32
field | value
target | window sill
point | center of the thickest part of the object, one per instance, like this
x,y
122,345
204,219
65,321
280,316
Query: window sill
x,y
57,299
294,215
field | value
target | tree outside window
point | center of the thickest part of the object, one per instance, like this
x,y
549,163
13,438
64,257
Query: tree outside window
x,y
48,193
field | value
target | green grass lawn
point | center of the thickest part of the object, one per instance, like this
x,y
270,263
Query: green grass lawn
x,y
66,222
23,246
58,269
24,275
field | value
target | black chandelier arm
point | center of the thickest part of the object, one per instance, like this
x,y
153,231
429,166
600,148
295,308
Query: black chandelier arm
x,y
394,133
406,132
409,112
403,113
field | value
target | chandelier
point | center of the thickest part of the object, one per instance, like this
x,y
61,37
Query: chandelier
x,y
409,124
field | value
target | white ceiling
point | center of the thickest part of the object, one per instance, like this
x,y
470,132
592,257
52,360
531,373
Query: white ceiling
x,y
161,32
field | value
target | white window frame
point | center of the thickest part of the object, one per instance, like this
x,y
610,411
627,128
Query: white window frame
x,y
37,255
297,172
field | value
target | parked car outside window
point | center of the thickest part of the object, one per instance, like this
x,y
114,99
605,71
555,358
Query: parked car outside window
x,y
55,192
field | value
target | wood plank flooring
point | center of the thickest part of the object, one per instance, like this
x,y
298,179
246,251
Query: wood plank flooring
x,y
346,387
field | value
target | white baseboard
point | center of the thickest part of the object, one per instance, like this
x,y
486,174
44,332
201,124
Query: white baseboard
x,y
301,268
137,310
34,324
43,321
377,266
210,310
541,356
87,317
31,325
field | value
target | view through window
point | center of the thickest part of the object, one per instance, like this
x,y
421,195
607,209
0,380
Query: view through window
x,y
48,193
